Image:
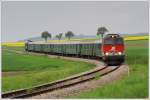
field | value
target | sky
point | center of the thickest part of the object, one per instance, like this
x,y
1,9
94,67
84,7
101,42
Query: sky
x,y
25,19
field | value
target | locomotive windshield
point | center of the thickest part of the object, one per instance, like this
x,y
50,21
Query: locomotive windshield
x,y
113,41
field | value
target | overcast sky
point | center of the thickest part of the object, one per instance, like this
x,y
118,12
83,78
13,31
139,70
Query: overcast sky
x,y
21,20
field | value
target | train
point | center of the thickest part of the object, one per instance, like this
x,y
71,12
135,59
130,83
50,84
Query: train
x,y
110,49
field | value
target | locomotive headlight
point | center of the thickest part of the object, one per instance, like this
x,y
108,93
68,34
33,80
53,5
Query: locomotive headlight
x,y
119,53
106,53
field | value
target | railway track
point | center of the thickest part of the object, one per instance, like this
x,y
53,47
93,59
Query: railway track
x,y
24,93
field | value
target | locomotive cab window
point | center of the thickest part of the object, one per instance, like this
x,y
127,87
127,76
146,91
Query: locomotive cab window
x,y
113,41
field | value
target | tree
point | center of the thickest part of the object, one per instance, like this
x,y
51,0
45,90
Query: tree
x,y
59,36
69,34
46,35
101,31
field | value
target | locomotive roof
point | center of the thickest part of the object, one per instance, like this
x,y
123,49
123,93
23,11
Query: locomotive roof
x,y
115,36
112,35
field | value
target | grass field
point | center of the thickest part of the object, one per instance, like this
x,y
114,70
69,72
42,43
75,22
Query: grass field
x,y
17,48
133,86
35,70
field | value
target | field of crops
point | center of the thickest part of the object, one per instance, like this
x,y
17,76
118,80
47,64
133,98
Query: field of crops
x,y
135,38
23,71
135,85
13,44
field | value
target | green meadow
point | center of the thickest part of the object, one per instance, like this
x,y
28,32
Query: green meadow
x,y
134,85
24,71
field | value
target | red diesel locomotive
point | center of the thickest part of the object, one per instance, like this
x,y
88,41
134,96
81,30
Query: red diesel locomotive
x,y
113,49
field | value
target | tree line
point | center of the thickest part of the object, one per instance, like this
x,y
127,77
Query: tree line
x,y
45,35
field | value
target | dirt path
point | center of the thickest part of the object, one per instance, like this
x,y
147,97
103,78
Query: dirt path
x,y
13,73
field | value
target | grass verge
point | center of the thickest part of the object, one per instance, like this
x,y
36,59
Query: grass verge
x,y
36,70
